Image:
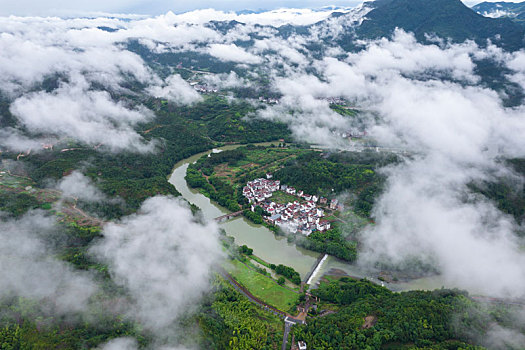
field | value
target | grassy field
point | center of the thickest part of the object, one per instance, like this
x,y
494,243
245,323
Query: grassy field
x,y
263,287
260,263
283,198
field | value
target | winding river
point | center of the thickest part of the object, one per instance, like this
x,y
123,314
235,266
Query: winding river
x,y
269,247
264,243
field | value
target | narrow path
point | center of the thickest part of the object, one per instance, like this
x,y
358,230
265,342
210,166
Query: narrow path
x,y
287,327
289,321
270,278
250,296
240,288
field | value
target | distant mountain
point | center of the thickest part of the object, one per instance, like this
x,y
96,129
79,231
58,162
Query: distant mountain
x,y
250,12
512,10
445,18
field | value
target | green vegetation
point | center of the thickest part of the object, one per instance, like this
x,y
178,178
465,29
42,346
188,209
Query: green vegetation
x,y
513,11
225,121
508,195
74,245
330,242
229,321
18,203
17,195
214,188
343,110
254,217
179,131
346,291
245,250
263,287
283,198
372,317
221,177
21,331
338,172
445,18
287,272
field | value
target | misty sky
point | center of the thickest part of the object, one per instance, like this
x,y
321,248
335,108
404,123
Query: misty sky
x,y
79,7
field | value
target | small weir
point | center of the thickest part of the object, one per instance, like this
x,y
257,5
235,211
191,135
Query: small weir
x,y
275,249
316,268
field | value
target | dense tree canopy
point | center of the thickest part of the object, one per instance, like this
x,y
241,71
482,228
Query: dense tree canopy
x,y
372,317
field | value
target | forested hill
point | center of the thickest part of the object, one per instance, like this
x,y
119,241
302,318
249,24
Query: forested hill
x,y
446,18
512,10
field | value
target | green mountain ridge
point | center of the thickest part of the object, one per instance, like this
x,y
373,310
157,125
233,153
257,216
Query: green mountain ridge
x,y
445,18
512,10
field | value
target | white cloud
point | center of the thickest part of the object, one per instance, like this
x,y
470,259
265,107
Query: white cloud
x,y
28,269
89,62
233,53
120,344
162,257
225,81
456,133
80,187
175,89
287,49
91,117
419,97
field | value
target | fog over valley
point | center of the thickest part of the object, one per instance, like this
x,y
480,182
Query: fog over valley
x,y
378,145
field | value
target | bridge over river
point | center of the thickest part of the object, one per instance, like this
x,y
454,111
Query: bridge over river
x,y
227,217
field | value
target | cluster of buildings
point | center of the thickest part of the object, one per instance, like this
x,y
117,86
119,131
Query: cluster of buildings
x,y
330,100
204,89
302,217
272,101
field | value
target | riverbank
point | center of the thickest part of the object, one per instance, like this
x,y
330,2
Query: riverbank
x,y
269,247
276,249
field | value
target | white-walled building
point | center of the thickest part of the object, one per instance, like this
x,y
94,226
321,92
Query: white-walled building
x,y
298,217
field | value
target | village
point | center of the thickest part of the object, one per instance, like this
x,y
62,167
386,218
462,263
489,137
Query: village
x,y
302,217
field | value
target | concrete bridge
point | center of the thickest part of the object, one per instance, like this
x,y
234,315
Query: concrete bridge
x,y
227,217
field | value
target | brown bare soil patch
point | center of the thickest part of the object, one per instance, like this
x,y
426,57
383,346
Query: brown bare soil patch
x,y
370,321
222,170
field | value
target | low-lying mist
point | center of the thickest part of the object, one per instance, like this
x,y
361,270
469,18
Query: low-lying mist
x,y
456,133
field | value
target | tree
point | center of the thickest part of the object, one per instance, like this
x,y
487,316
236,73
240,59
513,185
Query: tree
x,y
245,250
280,280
